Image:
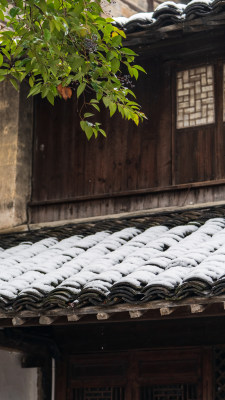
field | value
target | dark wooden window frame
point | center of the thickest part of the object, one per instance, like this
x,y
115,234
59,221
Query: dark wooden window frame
x,y
218,125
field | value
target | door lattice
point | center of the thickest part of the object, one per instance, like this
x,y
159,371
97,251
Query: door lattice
x,y
219,368
169,392
101,393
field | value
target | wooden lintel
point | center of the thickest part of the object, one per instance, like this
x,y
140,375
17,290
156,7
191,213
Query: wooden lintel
x,y
136,314
167,310
44,320
197,308
73,317
103,315
16,321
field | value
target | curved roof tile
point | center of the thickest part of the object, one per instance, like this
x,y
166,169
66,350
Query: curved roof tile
x,y
170,13
134,264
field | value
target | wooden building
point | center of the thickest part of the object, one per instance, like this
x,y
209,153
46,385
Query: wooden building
x,y
114,263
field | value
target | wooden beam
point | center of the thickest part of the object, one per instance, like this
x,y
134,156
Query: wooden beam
x,y
103,312
17,321
136,314
103,315
197,308
167,310
73,317
44,320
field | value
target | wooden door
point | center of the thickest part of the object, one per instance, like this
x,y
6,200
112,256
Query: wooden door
x,y
177,374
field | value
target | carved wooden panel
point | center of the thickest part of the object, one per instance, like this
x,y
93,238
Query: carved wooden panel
x,y
169,392
98,393
219,373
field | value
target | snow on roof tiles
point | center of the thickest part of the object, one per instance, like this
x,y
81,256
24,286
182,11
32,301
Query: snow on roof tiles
x,y
134,264
170,13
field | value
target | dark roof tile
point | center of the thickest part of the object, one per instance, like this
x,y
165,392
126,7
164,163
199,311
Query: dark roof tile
x,y
169,13
136,261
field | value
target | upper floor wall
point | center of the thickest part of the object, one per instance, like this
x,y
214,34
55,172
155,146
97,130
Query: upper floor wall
x,y
173,159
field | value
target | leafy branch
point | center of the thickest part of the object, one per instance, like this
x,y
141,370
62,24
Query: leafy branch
x,y
65,48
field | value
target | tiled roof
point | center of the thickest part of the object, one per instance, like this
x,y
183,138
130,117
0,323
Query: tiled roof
x,y
136,261
170,13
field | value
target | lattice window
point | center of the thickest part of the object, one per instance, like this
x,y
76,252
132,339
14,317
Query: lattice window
x,y
169,392
100,393
195,97
219,370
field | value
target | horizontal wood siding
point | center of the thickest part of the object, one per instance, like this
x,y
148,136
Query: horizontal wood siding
x,y
103,206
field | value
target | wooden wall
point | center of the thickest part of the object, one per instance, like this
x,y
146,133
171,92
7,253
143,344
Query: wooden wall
x,y
152,166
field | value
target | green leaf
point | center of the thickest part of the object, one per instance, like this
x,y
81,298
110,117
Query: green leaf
x,y
14,11
136,119
112,108
35,90
2,17
31,81
128,52
4,51
14,83
88,129
96,107
135,73
102,132
47,34
89,132
4,71
1,59
86,115
110,55
116,41
115,64
140,68
106,100
45,91
83,125
50,98
80,89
